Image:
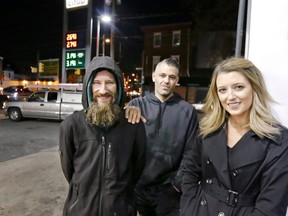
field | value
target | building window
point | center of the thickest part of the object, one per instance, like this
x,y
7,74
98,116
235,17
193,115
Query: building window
x,y
176,39
176,57
157,39
155,61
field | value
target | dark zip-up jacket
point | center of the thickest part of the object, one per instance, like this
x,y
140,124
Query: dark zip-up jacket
x,y
170,128
101,165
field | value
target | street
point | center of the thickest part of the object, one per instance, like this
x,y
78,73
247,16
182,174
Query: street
x,y
32,183
26,137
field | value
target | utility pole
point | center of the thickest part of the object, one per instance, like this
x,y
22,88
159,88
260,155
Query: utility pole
x,y
38,66
103,45
239,34
112,55
89,34
1,70
112,30
98,36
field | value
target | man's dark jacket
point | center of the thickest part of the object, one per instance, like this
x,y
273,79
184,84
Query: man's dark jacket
x,y
170,129
102,166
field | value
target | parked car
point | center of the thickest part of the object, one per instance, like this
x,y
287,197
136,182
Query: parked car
x,y
3,98
18,92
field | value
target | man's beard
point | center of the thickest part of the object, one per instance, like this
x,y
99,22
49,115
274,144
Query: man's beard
x,y
103,115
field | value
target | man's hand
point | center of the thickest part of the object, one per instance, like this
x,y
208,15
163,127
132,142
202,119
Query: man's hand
x,y
133,114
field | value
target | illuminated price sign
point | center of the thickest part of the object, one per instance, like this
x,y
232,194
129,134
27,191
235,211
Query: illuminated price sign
x,y
75,40
71,40
75,59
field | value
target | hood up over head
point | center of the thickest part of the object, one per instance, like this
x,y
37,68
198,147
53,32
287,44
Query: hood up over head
x,y
98,64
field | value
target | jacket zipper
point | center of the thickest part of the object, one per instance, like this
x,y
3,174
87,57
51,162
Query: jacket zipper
x,y
109,163
103,146
109,157
76,201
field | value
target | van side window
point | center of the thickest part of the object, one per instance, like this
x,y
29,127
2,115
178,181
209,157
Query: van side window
x,y
52,96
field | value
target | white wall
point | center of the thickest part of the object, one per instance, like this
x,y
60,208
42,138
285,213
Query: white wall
x,y
267,48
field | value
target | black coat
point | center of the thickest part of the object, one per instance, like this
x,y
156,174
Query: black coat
x,y
257,169
102,167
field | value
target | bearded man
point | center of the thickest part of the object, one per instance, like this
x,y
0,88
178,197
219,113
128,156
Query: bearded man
x,y
102,154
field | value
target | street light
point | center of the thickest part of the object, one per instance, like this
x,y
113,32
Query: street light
x,y
103,18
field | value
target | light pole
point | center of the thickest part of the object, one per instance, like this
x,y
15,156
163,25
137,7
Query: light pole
x,y
97,37
103,18
112,32
105,41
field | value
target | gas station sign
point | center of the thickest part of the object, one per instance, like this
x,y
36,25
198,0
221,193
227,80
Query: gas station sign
x,y
76,3
75,59
75,40
77,35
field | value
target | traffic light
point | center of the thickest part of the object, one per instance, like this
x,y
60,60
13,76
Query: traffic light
x,y
41,67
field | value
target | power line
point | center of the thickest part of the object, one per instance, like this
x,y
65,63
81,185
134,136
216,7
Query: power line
x,y
141,16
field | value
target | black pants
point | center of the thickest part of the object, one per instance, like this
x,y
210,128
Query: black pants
x,y
161,200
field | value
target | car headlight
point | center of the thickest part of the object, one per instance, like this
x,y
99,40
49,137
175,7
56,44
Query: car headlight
x,y
15,95
4,105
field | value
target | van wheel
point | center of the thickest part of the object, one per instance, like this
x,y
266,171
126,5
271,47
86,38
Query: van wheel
x,y
15,114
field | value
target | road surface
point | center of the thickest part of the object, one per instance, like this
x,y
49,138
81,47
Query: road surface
x,y
31,185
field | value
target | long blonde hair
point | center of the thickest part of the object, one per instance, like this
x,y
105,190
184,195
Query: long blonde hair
x,y
261,121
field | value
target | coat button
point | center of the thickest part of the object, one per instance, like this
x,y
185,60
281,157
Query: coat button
x,y
235,173
209,181
203,202
221,214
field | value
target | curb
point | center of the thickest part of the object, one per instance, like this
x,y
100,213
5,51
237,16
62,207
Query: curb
x,y
2,115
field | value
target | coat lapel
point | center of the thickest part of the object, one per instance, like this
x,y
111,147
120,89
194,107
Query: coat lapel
x,y
249,149
215,147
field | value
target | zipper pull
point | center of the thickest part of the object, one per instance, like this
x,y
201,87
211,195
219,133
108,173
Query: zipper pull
x,y
103,141
109,148
109,156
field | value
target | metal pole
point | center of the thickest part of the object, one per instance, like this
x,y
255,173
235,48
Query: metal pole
x,y
38,66
65,28
241,12
112,31
98,36
103,45
89,34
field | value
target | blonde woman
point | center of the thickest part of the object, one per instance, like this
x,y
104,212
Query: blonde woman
x,y
239,164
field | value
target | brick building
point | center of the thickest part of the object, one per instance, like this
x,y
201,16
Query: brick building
x,y
196,51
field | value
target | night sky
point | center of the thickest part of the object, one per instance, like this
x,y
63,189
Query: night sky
x,y
31,29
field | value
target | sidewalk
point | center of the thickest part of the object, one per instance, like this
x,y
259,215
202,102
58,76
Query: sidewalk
x,y
33,185
2,115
